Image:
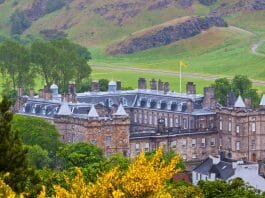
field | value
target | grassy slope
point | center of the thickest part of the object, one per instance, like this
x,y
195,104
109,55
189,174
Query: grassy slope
x,y
218,51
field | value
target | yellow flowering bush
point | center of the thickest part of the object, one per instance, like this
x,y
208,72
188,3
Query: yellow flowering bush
x,y
144,178
6,191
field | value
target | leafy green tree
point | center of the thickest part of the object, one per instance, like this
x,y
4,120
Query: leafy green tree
x,y
222,88
37,131
241,84
38,157
13,162
44,55
103,84
15,63
80,154
233,189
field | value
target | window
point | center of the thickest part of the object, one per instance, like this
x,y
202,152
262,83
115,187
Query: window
x,y
155,120
177,122
253,144
229,126
237,129
184,156
147,146
135,117
184,143
229,143
194,155
193,143
221,125
253,126
185,123
174,144
93,142
108,141
220,141
150,119
145,118
203,142
166,122
171,122
140,118
237,145
212,141
137,147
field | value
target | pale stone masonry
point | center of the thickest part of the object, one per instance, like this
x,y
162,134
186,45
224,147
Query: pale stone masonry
x,y
127,122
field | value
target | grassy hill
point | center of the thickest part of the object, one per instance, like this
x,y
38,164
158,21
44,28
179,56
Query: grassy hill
x,y
97,24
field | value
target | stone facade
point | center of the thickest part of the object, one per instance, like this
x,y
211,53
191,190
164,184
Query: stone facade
x,y
192,124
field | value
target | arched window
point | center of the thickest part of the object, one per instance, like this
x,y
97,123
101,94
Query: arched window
x,y
153,104
163,105
174,106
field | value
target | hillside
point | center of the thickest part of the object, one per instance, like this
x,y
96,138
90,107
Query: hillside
x,y
100,24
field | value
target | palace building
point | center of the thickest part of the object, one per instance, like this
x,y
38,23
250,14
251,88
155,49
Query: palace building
x,y
128,122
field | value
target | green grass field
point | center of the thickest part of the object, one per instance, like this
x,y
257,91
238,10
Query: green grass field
x,y
261,49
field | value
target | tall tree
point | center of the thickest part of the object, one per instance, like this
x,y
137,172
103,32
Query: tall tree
x,y
44,55
241,84
20,177
222,87
15,63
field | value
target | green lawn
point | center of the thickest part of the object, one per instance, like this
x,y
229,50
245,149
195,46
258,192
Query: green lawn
x,y
261,49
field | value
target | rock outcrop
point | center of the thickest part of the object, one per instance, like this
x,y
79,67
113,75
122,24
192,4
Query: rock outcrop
x,y
165,34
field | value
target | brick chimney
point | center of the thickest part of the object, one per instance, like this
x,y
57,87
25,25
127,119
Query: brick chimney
x,y
41,93
141,83
160,85
166,87
153,85
248,102
95,86
118,85
209,101
190,88
20,92
71,88
31,93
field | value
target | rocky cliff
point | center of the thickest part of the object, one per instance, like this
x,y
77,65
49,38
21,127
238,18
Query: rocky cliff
x,y
165,34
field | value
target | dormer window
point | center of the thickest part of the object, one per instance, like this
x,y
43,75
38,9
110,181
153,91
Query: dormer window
x,y
124,101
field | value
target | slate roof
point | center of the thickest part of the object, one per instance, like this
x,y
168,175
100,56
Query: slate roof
x,y
223,170
239,103
262,102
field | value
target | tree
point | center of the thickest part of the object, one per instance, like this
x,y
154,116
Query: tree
x,y
37,131
19,176
44,55
15,63
103,84
222,88
80,154
241,84
38,157
233,189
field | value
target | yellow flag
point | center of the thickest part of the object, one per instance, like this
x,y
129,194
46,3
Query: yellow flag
x,y
182,64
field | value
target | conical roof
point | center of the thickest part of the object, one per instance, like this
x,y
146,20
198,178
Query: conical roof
x,y
262,102
93,112
239,103
120,111
64,109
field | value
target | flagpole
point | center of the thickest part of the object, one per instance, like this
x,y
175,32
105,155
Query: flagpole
x,y
180,76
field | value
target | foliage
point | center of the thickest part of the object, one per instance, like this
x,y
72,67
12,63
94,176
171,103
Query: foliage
x,y
38,157
6,191
61,61
144,178
103,84
37,131
15,63
241,86
19,22
13,161
80,154
222,88
234,188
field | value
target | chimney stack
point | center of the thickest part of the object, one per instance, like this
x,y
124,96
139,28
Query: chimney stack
x,y
141,83
190,88
71,88
160,85
31,93
209,101
166,87
20,92
95,86
153,85
248,102
41,93
118,85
